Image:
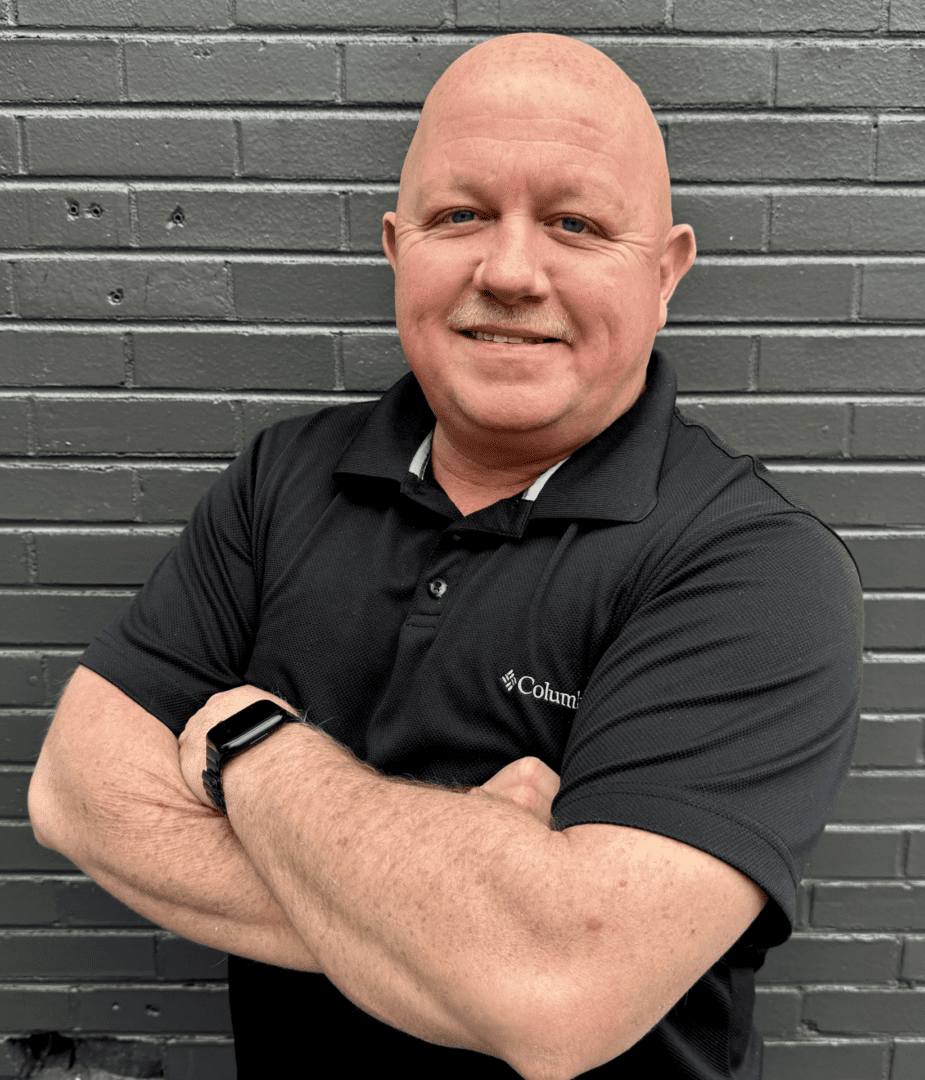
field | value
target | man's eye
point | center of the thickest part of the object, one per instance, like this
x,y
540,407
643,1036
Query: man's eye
x,y
459,217
572,224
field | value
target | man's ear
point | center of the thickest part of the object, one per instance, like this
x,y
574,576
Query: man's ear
x,y
388,236
677,258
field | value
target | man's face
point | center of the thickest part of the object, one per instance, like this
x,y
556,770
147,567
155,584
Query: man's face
x,y
524,217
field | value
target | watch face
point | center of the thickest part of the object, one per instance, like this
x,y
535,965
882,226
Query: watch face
x,y
247,726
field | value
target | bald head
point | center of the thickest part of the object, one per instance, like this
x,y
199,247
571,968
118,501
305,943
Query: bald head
x,y
557,77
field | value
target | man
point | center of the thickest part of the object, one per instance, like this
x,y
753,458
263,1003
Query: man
x,y
522,571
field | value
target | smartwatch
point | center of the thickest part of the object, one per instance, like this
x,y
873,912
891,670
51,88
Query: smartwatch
x,y
238,733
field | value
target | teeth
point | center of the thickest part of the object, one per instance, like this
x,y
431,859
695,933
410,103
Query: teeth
x,y
479,336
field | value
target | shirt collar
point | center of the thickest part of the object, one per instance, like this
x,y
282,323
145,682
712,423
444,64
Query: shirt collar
x,y
613,477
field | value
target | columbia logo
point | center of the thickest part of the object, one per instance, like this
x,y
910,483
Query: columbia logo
x,y
529,687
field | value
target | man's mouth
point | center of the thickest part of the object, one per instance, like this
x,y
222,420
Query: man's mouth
x,y
478,335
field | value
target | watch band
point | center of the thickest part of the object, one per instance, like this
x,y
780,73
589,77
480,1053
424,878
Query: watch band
x,y
234,735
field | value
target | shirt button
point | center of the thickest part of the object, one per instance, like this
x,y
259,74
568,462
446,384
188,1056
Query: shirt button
x,y
437,587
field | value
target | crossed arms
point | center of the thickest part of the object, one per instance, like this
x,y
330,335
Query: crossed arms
x,y
460,919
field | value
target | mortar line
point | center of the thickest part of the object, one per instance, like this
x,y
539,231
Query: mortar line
x,y
340,73
754,354
32,558
134,226
344,220
123,72
22,146
238,148
848,440
340,372
669,14
856,285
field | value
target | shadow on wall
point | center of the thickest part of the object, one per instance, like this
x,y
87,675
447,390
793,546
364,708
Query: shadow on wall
x,y
52,1056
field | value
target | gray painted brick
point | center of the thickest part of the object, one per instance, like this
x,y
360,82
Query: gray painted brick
x,y
769,149
913,965
888,364
893,292
198,1060
772,291
326,147
881,799
847,497
27,903
35,1009
169,495
726,222
130,146
14,560
407,14
845,222
889,686
848,906
365,211
85,956
893,742
707,362
72,217
315,292
896,622
915,859
767,429
900,149
567,14
396,72
769,15
179,960
14,783
889,562
280,220
21,681
864,1012
22,734
139,426
373,361
14,427
60,358
260,415
857,855
875,75
95,559
906,15
261,71
190,1009
806,958
9,151
59,71
777,1011
37,618
80,902
46,493
121,289
20,851
204,13
696,74
253,360
856,1060
908,1059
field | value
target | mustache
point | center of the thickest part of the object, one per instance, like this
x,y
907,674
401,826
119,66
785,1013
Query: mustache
x,y
479,309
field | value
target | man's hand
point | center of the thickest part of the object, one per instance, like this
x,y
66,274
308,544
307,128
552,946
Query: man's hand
x,y
528,782
193,739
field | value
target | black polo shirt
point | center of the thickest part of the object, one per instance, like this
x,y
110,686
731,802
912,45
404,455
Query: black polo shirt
x,y
656,619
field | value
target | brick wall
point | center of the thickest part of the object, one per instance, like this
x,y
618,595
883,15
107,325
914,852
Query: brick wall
x,y
190,198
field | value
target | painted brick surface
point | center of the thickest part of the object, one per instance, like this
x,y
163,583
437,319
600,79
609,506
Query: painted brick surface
x,y
130,146
173,13
59,70
217,70
190,225
60,358
74,217
280,221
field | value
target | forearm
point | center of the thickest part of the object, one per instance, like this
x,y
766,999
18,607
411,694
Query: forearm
x,y
197,881
423,906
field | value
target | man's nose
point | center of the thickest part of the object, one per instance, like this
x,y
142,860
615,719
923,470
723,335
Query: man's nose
x,y
512,268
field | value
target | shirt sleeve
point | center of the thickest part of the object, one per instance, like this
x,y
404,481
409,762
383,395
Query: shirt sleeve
x,y
187,633
724,712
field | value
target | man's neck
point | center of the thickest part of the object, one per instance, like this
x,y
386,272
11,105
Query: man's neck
x,y
472,484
